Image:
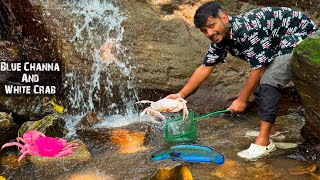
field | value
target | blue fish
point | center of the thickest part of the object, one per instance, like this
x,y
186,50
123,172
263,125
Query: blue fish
x,y
189,153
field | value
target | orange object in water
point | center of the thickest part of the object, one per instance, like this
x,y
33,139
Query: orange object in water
x,y
128,142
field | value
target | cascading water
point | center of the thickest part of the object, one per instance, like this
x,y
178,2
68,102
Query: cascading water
x,y
107,88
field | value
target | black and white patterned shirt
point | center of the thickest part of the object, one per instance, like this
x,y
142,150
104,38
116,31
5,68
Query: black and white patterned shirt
x,y
262,34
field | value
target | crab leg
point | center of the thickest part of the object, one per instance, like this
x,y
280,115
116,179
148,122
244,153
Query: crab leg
x,y
25,153
150,113
71,145
12,144
185,112
64,152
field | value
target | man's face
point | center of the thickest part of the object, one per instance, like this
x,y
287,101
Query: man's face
x,y
216,29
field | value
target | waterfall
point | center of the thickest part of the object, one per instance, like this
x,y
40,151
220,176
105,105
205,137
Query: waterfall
x,y
107,89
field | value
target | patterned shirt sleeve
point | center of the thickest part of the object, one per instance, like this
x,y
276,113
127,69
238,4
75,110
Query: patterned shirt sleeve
x,y
215,55
257,49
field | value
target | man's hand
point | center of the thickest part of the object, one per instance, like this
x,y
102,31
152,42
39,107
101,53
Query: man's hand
x,y
172,96
240,103
237,106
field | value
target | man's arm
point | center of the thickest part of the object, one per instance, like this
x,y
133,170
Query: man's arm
x,y
240,103
198,76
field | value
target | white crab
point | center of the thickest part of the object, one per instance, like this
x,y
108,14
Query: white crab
x,y
164,105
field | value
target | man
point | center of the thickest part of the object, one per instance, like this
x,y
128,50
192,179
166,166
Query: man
x,y
265,38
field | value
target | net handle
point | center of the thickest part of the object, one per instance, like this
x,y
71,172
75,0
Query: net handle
x,y
210,114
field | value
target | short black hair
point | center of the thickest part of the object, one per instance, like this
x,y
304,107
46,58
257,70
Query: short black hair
x,y
205,11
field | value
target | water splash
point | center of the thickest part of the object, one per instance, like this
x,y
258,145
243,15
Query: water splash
x,y
96,37
98,33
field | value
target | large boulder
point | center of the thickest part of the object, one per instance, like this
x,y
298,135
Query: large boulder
x,y
167,48
306,72
157,38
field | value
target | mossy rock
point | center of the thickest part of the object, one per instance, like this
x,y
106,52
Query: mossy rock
x,y
5,120
306,77
51,125
309,47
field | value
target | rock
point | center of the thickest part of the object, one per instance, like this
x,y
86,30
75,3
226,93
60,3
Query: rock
x,y
126,139
306,73
229,170
181,47
8,128
285,145
51,125
89,176
80,155
162,31
11,161
88,120
305,152
300,170
30,41
180,172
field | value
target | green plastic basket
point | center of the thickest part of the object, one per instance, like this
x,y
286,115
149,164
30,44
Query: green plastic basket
x,y
177,130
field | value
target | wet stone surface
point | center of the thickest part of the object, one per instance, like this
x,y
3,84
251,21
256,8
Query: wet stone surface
x,y
226,134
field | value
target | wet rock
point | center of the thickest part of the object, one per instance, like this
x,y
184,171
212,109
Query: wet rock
x,y
88,120
80,155
8,129
51,125
235,170
118,138
127,141
11,161
180,172
229,170
306,152
285,145
89,176
306,72
300,170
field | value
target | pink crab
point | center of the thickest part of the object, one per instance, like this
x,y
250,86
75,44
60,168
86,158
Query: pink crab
x,y
164,105
36,143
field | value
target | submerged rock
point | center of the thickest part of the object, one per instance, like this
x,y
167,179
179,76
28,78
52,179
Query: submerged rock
x,y
306,72
299,170
126,139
